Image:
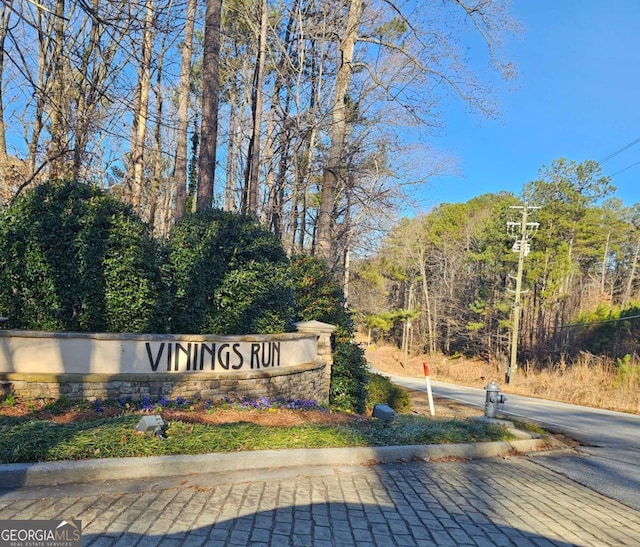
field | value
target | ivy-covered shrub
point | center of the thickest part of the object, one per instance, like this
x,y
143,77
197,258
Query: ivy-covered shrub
x,y
382,390
319,297
349,376
74,258
227,275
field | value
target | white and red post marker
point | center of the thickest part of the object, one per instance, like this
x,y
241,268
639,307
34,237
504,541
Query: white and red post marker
x,y
429,394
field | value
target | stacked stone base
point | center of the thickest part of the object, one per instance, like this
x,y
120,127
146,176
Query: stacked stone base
x,y
306,381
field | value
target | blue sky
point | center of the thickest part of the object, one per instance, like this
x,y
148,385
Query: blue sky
x,y
577,96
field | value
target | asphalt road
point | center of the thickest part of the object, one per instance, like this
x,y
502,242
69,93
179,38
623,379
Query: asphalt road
x,y
607,459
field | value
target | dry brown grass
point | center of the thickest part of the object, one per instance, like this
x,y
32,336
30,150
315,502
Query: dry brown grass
x,y
590,381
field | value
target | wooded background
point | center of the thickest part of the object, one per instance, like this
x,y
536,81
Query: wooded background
x,y
452,273
314,117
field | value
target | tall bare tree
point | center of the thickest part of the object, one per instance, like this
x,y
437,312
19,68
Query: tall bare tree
x,y
180,170
141,108
251,189
334,166
59,144
635,256
210,98
234,138
5,14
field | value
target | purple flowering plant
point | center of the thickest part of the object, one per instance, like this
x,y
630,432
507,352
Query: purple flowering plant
x,y
149,405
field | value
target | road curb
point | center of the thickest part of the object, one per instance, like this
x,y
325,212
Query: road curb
x,y
91,471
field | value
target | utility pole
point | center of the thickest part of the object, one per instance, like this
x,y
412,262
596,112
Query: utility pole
x,y
523,231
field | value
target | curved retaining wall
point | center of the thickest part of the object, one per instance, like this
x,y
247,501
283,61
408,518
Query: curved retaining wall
x,y
44,365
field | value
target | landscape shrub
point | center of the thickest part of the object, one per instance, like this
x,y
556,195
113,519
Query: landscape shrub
x,y
74,258
382,390
227,275
319,297
348,377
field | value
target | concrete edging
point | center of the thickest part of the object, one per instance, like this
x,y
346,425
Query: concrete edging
x,y
89,471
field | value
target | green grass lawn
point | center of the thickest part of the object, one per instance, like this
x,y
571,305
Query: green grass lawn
x,y
33,438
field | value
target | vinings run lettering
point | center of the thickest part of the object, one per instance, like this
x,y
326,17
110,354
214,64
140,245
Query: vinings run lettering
x,y
201,356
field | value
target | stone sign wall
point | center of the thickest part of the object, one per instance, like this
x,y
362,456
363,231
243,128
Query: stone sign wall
x,y
36,364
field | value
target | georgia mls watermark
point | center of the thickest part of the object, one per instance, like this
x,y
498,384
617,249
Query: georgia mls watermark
x,y
40,533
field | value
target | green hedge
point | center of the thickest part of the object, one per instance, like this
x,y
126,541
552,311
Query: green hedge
x,y
227,275
73,258
319,297
382,390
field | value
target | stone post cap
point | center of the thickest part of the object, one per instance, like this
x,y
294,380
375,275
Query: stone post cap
x,y
314,326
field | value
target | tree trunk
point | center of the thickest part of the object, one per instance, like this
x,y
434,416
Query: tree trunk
x,y
157,179
634,264
276,183
250,195
88,88
427,303
603,271
277,212
333,168
269,179
234,137
210,97
180,169
5,13
141,109
58,130
39,92
346,257
303,155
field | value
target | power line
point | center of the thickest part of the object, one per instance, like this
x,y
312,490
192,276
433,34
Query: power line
x,y
591,323
628,167
619,151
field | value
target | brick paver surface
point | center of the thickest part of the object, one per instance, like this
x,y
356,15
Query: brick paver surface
x,y
485,502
